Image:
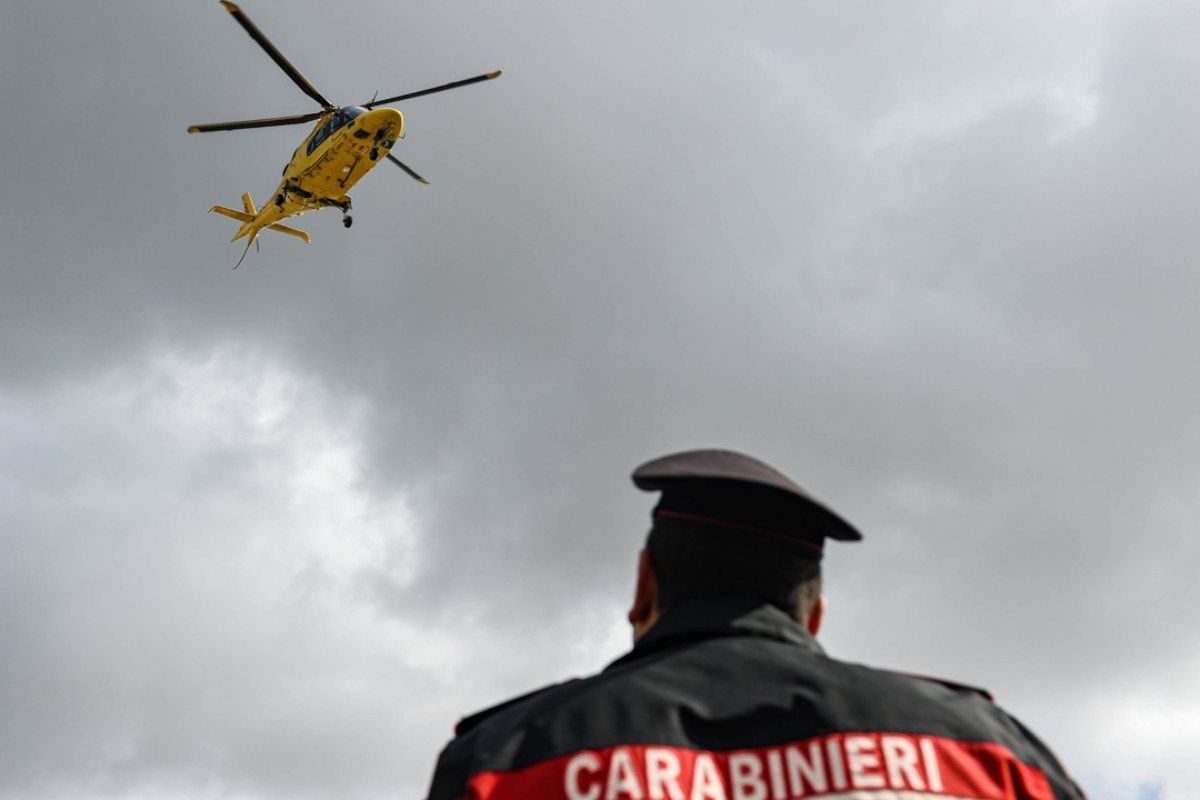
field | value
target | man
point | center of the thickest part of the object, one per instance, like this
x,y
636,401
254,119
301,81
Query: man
x,y
726,695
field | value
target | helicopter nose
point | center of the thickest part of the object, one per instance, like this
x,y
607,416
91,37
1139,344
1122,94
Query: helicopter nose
x,y
386,123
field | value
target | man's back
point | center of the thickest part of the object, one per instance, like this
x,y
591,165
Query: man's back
x,y
733,700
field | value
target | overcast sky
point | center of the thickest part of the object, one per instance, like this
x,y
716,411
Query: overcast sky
x,y
269,533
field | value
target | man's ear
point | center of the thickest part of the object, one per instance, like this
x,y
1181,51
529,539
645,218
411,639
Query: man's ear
x,y
644,612
813,623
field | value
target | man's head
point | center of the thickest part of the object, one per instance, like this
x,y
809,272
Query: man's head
x,y
728,525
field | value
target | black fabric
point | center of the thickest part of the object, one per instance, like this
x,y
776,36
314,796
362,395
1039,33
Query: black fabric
x,y
736,488
724,674
736,510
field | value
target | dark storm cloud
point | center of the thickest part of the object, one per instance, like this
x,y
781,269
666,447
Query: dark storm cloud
x,y
936,261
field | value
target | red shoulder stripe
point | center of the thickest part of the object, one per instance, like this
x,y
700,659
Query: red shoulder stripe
x,y
861,762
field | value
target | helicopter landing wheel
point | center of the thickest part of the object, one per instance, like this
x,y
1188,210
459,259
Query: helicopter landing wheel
x,y
347,221
374,154
279,200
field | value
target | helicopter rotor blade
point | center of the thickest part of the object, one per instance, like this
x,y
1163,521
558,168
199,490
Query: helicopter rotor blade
x,y
269,122
406,168
274,53
442,88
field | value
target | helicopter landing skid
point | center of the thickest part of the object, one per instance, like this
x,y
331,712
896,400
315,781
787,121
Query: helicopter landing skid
x,y
344,205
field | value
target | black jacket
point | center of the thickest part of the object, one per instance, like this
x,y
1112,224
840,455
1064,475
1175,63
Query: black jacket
x,y
733,700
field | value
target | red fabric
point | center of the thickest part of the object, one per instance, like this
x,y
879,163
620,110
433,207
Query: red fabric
x,y
844,762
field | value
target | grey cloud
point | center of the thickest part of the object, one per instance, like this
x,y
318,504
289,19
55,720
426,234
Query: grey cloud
x,y
935,261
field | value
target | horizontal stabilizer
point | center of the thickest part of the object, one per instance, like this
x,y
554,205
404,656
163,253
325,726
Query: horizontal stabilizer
x,y
229,212
247,218
299,234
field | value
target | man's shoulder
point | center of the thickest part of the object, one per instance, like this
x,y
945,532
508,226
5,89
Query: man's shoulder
x,y
902,680
512,707
645,695
546,704
483,731
655,682
921,700
956,687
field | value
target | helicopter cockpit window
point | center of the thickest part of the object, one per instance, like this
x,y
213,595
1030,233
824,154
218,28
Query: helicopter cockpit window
x,y
335,122
323,133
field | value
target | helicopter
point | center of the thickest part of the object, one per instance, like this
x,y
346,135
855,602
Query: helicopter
x,y
344,144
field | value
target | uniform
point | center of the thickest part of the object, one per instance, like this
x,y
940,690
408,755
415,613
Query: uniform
x,y
731,699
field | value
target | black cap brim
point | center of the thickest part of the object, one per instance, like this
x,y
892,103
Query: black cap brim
x,y
694,468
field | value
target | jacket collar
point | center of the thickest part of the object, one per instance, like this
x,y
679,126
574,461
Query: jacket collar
x,y
694,620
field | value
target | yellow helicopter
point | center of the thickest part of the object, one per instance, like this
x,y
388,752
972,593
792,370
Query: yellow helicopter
x,y
343,146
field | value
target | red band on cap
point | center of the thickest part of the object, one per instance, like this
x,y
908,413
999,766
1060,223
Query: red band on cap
x,y
659,512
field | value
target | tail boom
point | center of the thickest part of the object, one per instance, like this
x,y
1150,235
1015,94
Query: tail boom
x,y
251,226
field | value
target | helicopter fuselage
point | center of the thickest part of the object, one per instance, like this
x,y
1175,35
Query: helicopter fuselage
x,y
343,146
340,149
